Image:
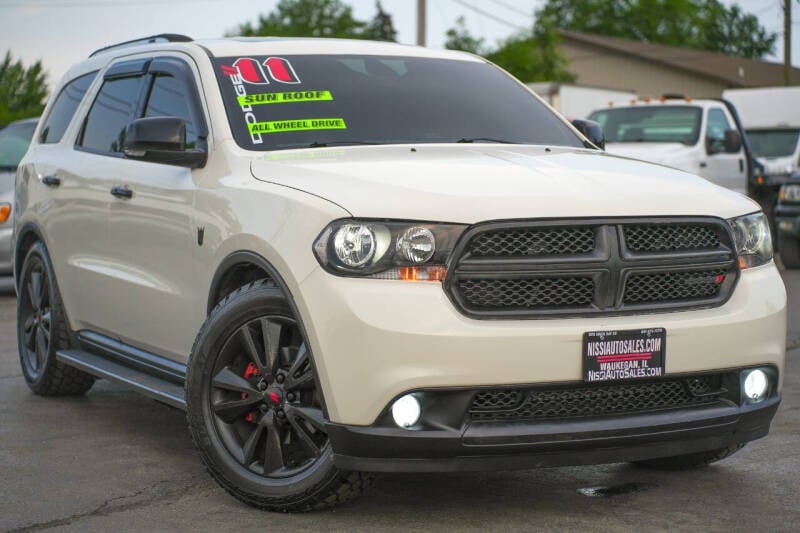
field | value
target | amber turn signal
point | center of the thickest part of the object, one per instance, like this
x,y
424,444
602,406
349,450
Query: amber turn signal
x,y
422,273
5,211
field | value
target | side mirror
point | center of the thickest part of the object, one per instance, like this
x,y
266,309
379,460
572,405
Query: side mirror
x,y
162,140
592,131
733,141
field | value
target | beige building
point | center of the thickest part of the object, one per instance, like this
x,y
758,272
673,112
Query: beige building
x,y
653,69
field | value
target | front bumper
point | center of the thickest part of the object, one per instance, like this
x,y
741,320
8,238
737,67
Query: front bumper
x,y
494,445
373,340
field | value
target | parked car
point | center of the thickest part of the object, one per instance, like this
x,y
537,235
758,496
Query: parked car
x,y
344,257
787,221
14,141
703,137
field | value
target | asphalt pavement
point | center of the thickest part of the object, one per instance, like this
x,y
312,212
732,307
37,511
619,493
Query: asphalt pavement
x,y
116,461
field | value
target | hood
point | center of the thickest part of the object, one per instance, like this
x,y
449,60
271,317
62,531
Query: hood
x,y
472,183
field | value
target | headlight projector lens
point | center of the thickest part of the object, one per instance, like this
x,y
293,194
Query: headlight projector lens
x,y
417,244
406,411
354,244
755,385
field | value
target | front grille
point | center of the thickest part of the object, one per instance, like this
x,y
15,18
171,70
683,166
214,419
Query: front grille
x,y
537,269
659,287
541,242
590,401
670,237
537,293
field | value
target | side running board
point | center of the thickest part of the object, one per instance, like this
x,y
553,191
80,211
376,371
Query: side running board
x,y
149,385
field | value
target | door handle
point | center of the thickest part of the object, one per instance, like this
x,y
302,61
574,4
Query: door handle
x,y
121,191
51,181
741,165
703,164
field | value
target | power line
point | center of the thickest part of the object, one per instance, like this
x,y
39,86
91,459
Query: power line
x,y
490,15
515,9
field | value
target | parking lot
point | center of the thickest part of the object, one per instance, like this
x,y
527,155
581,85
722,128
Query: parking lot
x,y
114,460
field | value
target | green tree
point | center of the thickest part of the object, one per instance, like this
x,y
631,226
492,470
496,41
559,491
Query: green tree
x,y
381,27
23,91
699,24
532,55
459,38
306,18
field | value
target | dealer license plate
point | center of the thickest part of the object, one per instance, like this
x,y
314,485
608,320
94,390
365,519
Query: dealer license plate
x,y
626,354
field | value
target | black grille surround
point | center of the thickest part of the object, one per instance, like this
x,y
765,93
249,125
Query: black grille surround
x,y
570,401
591,267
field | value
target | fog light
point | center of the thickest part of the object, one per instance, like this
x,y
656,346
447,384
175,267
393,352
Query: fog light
x,y
756,385
406,411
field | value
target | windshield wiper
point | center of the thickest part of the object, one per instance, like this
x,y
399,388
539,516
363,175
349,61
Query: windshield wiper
x,y
317,144
485,139
8,168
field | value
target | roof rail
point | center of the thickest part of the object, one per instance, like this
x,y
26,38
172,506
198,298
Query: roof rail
x,y
160,38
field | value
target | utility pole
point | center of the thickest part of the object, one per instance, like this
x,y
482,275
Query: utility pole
x,y
421,22
787,42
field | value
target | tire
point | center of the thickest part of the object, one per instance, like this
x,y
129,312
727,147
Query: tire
x,y
42,330
692,460
789,248
254,408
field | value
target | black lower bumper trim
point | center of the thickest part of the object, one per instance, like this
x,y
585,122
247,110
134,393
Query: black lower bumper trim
x,y
507,446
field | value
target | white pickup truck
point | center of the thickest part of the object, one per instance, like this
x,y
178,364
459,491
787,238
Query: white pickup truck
x,y
698,136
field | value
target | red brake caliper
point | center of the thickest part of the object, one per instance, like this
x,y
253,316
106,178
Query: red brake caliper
x,y
251,370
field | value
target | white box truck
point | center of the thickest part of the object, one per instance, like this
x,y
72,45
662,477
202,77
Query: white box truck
x,y
771,119
577,101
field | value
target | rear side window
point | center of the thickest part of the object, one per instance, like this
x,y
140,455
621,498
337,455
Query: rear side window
x,y
64,108
112,111
168,99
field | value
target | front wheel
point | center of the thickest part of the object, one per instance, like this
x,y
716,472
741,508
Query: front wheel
x,y
255,409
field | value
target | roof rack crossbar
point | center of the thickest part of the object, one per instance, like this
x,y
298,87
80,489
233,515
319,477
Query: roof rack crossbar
x,y
160,38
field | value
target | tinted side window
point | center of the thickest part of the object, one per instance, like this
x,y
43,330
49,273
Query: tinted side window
x,y
112,111
168,98
64,108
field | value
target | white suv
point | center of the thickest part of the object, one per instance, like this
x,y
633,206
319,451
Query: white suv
x,y
344,257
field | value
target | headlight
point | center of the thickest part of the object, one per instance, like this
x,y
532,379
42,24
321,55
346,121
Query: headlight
x,y
413,251
790,193
752,239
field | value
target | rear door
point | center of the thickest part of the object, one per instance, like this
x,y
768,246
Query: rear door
x,y
72,204
723,168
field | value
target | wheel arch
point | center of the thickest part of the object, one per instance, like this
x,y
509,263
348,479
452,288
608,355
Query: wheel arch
x,y
244,259
29,233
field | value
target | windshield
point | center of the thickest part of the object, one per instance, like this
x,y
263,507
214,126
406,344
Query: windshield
x,y
319,100
773,143
650,124
14,141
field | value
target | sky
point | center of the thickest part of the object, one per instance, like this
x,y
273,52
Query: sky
x,y
63,32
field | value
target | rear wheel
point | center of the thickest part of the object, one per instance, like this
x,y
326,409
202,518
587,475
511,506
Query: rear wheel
x,y
255,410
42,330
692,460
789,249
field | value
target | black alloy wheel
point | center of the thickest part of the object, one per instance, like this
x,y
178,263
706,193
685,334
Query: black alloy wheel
x,y
264,399
255,408
42,330
35,318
